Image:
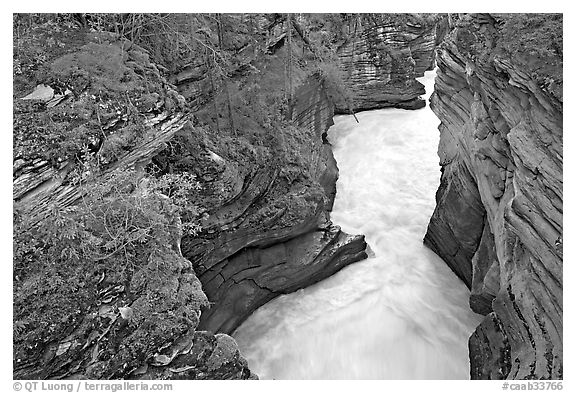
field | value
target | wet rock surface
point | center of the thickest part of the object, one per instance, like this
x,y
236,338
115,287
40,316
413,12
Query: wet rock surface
x,y
498,219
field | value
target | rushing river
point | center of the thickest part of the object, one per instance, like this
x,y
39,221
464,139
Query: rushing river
x,y
401,314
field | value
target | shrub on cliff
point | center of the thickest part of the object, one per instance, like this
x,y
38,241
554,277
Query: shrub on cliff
x,y
536,42
107,88
121,220
333,79
532,34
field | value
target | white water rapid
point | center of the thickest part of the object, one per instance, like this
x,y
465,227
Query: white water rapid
x,y
401,314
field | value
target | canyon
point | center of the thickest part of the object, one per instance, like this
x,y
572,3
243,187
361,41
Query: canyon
x,y
403,298
265,231
243,263
265,195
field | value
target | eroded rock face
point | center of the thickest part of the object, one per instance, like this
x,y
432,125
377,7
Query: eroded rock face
x,y
271,233
380,64
199,355
498,219
83,119
120,318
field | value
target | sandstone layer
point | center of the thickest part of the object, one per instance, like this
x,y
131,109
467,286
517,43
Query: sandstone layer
x,y
498,219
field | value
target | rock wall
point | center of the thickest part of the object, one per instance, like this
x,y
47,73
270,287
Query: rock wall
x,y
115,321
498,219
272,234
380,63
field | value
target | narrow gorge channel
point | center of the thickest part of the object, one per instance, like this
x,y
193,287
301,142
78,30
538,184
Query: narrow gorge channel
x,y
401,314
181,178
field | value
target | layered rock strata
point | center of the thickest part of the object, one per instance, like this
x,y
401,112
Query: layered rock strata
x,y
133,321
380,64
272,234
265,229
498,219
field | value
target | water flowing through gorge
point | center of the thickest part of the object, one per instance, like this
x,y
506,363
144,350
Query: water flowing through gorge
x,y
402,313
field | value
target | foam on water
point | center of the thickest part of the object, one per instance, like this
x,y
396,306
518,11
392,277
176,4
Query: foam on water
x,y
402,314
